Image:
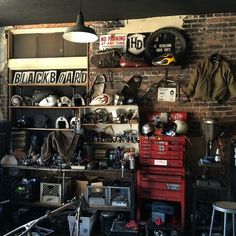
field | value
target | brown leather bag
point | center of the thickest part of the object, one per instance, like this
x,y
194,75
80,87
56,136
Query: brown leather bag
x,y
107,58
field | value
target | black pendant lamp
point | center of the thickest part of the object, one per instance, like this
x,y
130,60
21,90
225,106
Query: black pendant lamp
x,y
80,33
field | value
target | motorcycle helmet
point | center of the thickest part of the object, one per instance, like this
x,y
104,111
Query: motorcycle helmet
x,y
62,123
17,100
28,101
103,99
164,60
148,129
40,95
49,101
64,101
78,100
75,121
180,126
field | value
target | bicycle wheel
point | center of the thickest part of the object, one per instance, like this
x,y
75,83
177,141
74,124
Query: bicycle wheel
x,y
165,40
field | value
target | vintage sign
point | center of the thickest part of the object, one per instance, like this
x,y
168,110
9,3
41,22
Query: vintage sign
x,y
166,94
136,43
50,77
165,43
113,41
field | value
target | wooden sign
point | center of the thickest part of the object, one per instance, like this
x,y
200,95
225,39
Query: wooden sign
x,y
50,77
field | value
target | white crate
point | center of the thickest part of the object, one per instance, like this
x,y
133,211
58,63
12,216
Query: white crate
x,y
52,193
119,196
108,196
96,196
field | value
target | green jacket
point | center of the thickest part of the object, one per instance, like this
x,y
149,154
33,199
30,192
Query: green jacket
x,y
212,80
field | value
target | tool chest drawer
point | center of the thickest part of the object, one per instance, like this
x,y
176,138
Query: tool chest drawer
x,y
157,185
161,162
161,140
161,178
167,155
167,171
160,194
176,155
162,187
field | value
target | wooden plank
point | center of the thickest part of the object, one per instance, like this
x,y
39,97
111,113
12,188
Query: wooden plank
x,y
38,30
48,63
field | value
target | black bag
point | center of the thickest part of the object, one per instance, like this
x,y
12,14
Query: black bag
x,y
106,58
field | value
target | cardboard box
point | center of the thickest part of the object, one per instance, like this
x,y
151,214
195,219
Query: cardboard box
x,y
85,226
80,186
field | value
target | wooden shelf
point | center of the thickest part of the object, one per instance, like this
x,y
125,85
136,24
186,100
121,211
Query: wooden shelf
x,y
37,204
42,129
110,143
112,106
48,63
48,85
77,107
100,208
99,124
146,68
97,172
108,208
39,107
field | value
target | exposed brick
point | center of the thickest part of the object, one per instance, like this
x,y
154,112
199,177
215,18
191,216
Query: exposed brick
x,y
205,34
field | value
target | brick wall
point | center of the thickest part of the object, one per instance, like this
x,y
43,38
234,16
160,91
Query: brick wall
x,y
3,94
205,34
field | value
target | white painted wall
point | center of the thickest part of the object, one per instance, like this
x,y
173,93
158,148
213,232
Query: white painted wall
x,y
150,24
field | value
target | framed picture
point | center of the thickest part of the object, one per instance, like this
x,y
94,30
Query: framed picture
x,y
166,94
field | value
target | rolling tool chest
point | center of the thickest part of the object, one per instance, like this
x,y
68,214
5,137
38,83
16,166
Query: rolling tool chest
x,y
162,173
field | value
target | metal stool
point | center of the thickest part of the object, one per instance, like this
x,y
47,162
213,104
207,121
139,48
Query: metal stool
x,y
225,207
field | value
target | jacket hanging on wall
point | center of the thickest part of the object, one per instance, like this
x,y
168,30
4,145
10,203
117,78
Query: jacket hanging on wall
x,y
212,80
62,142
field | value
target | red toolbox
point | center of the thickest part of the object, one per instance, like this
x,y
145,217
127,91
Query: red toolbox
x,y
162,173
162,151
162,187
163,183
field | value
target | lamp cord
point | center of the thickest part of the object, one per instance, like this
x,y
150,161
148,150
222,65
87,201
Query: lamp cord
x,y
80,5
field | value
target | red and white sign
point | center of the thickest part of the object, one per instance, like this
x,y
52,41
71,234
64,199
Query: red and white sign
x,y
113,41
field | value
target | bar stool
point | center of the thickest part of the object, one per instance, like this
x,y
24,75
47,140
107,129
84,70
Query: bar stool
x,y
226,207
